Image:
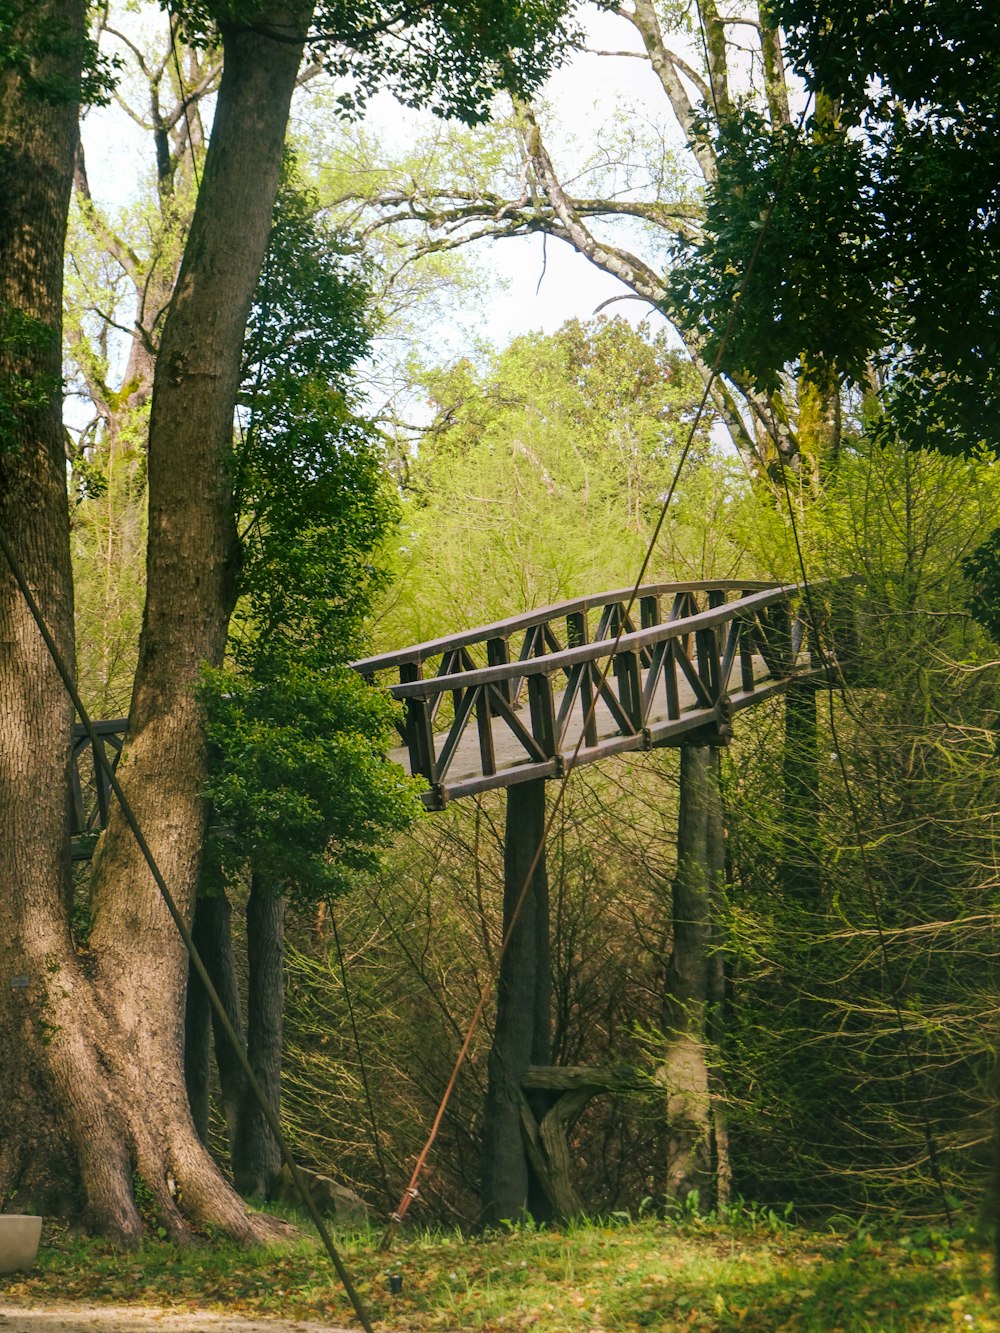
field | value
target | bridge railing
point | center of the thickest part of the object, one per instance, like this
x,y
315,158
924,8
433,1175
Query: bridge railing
x,y
534,695
90,788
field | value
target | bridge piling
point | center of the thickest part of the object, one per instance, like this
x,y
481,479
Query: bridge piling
x,y
511,1184
696,1156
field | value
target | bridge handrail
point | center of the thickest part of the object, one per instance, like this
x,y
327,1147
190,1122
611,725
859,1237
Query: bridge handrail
x,y
634,641
681,665
417,653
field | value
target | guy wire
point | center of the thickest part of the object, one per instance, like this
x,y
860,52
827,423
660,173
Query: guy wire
x,y
411,1192
225,1022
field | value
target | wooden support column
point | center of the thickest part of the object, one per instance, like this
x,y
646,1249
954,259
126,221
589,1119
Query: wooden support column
x,y
690,981
800,842
511,1187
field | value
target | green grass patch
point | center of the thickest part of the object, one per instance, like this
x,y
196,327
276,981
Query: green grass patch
x,y
759,1275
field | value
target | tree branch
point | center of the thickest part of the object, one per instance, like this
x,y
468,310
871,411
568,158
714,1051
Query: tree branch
x,y
123,254
667,68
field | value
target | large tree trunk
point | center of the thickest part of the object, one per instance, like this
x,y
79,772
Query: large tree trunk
x,y
522,1035
50,1091
254,1152
190,573
99,1058
213,939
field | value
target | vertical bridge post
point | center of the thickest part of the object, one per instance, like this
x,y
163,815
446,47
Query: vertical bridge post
x,y
511,1187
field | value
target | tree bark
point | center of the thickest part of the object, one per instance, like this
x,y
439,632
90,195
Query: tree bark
x,y
510,1187
213,937
60,1148
94,1075
198,1047
190,572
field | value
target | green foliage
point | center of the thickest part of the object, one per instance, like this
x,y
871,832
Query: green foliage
x,y
419,937
938,54
451,57
313,504
982,569
40,52
455,57
853,265
542,475
824,1104
792,209
298,781
299,784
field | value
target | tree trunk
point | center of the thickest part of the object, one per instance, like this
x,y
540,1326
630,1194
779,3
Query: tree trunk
x,y
94,1076
510,1187
256,1156
60,1145
197,1047
684,1071
213,937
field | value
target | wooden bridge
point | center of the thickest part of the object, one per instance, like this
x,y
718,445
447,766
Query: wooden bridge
x,y
541,693
530,698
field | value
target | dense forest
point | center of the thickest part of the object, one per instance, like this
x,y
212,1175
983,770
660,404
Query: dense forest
x,y
248,434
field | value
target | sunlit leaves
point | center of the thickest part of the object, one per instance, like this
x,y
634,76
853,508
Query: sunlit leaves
x,y
298,780
450,57
299,784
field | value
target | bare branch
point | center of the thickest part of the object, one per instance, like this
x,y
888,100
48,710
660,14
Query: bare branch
x,y
122,253
667,67
626,267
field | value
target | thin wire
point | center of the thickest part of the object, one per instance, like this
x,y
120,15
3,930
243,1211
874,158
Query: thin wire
x,y
835,684
101,761
361,1055
411,1191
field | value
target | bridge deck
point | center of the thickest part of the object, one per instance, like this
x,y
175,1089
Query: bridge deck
x,y
535,695
514,763
556,688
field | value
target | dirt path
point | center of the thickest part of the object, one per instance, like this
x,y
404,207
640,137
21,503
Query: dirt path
x,y
125,1319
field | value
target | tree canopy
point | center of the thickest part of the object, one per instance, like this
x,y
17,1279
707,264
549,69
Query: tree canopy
x,y
872,227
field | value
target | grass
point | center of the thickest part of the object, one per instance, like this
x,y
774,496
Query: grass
x,y
753,1274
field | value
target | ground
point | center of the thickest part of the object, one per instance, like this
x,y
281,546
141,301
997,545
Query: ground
x,y
121,1319
750,1272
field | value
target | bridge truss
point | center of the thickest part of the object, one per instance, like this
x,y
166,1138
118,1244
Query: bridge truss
x,y
553,689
